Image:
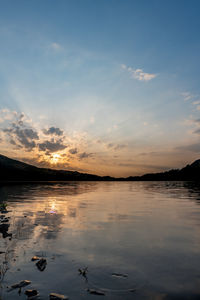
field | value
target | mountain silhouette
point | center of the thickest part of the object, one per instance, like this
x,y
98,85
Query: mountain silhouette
x,y
14,170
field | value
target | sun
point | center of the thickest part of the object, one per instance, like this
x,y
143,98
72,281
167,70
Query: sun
x,y
55,158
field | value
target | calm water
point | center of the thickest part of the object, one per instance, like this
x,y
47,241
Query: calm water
x,y
149,231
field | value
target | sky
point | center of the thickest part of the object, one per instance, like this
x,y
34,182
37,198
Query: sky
x,y
107,87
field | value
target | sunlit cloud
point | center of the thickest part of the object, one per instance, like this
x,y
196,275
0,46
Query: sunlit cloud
x,y
139,74
6,114
196,102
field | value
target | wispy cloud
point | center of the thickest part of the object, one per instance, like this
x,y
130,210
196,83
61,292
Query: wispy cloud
x,y
55,46
116,146
192,147
139,74
85,155
196,102
187,96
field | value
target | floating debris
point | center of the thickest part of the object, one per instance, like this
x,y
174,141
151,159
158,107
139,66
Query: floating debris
x,y
3,206
132,290
21,284
41,264
31,293
5,220
54,296
83,271
35,258
119,275
96,292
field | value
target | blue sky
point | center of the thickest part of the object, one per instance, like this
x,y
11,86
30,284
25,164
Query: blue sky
x,y
119,79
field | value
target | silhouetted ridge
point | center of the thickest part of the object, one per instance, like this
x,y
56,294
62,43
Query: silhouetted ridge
x,y
14,170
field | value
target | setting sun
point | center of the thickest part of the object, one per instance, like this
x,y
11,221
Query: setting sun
x,y
55,158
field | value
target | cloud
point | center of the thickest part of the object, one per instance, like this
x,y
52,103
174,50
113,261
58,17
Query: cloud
x,y
110,145
52,146
120,146
116,146
152,167
139,74
187,96
73,151
7,115
53,131
196,102
56,46
197,131
25,136
191,147
85,155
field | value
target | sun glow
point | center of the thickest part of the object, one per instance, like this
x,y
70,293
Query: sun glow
x,y
55,158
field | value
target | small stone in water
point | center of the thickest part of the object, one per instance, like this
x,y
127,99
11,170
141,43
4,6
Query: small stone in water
x,y
21,284
6,220
54,296
83,271
119,275
96,292
35,258
41,264
31,293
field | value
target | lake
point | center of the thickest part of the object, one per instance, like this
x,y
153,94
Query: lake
x,y
130,240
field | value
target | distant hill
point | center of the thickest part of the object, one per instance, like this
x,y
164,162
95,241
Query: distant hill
x,y
14,170
190,172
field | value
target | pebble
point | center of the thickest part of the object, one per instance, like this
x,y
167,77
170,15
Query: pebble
x,y
21,284
119,275
41,264
96,292
31,293
35,258
54,296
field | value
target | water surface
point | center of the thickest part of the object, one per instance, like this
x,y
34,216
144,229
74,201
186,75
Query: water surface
x,y
147,231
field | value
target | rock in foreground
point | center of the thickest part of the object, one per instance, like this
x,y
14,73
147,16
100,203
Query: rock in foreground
x,y
54,296
21,284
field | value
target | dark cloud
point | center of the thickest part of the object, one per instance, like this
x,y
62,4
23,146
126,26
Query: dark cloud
x,y
116,146
120,146
150,153
151,167
53,131
85,155
25,136
197,131
20,120
73,151
110,145
191,147
52,146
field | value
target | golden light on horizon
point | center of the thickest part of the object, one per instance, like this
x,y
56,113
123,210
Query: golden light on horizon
x,y
55,158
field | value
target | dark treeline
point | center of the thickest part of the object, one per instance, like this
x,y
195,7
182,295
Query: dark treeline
x,y
13,170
